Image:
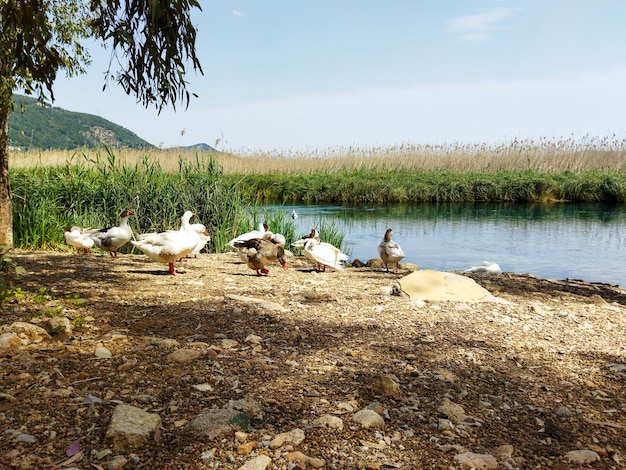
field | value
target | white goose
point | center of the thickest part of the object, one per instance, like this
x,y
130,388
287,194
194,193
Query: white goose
x,y
76,237
487,268
171,245
259,233
200,229
324,254
294,214
389,251
112,238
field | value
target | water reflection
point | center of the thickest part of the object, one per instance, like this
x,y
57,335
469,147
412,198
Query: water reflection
x,y
581,241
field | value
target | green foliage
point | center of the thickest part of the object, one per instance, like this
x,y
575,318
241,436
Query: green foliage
x,y
35,124
46,199
156,41
37,39
384,186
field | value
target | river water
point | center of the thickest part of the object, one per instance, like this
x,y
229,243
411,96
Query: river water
x,y
557,241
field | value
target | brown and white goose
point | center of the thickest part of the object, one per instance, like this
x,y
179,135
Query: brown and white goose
x,y
257,252
171,245
389,251
112,238
259,233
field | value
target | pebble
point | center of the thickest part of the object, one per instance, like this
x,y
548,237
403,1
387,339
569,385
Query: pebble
x,y
453,411
245,449
386,385
369,419
564,412
26,438
300,457
330,421
477,461
131,428
293,437
103,353
582,456
184,355
117,462
203,387
258,463
10,340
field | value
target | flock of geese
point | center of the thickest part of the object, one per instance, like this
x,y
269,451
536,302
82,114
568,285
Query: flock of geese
x,y
256,248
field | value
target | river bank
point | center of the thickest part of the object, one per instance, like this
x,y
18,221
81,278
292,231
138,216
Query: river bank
x,y
533,377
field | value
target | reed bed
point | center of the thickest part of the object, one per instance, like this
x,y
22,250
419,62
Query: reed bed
x,y
48,198
53,189
543,156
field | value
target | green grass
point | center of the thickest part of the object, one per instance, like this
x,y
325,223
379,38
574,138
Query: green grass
x,y
391,186
46,199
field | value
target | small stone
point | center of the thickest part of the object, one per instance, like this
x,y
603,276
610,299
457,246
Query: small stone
x,y
58,326
10,340
453,411
582,456
245,449
386,385
102,353
131,428
128,365
330,421
26,438
203,387
229,343
184,355
369,419
253,339
241,436
117,462
258,463
477,461
300,457
563,412
103,453
503,452
294,437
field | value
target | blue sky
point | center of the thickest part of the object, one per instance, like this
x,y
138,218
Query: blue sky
x,y
295,75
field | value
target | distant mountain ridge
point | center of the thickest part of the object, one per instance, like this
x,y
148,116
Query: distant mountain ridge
x,y
37,125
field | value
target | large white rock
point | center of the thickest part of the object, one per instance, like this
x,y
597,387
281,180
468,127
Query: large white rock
x,y
437,285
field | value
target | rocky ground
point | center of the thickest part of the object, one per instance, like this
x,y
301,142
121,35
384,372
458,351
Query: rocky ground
x,y
305,369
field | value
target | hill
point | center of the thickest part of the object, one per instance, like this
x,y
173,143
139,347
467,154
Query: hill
x,y
37,125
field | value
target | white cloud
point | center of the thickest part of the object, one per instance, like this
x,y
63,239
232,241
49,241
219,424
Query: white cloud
x,y
478,27
238,13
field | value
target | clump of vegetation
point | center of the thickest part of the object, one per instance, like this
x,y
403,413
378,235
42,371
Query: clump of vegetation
x,y
9,270
92,190
91,187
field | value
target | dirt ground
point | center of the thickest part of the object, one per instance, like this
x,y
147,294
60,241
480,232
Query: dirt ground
x,y
539,374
